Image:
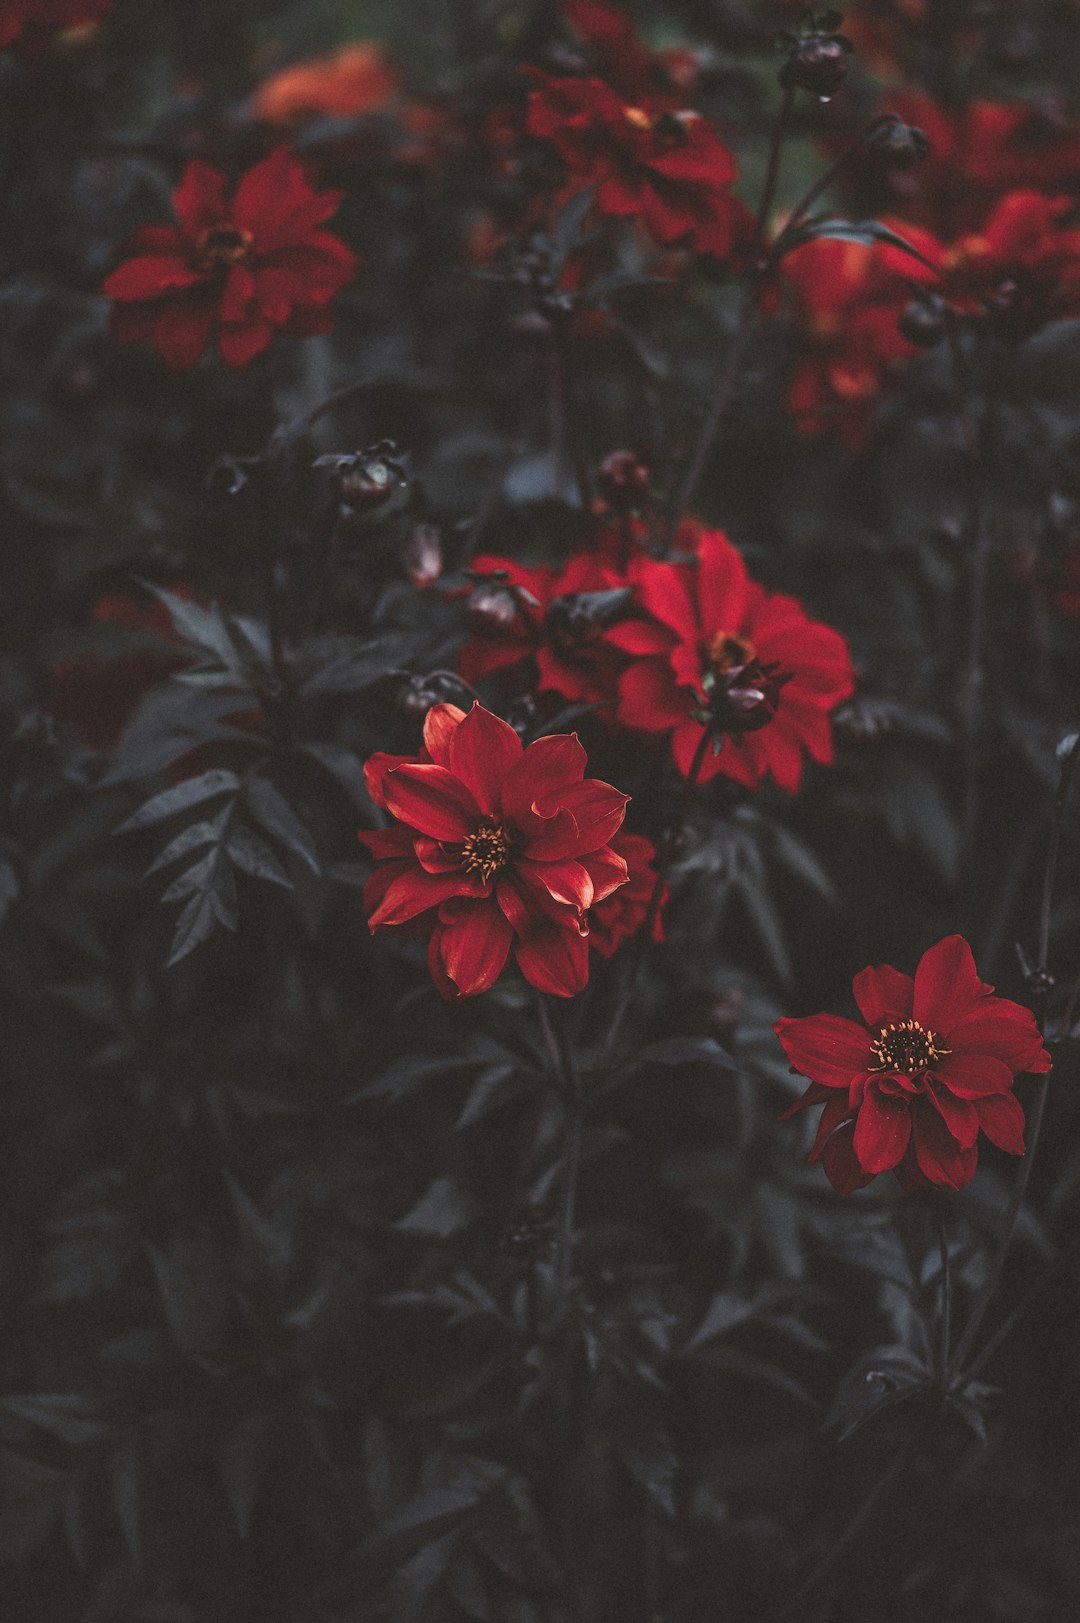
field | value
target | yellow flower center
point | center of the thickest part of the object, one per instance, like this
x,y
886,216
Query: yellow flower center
x,y
906,1046
221,246
486,851
724,650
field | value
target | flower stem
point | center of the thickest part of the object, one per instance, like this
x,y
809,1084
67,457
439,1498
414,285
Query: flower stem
x,y
663,868
772,170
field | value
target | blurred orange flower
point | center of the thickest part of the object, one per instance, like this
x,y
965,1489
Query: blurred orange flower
x,y
356,79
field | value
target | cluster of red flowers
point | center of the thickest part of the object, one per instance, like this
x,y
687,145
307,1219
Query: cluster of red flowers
x,y
242,268
498,850
695,643
29,26
911,1089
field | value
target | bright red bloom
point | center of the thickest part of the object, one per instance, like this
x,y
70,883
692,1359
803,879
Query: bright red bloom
x,y
1023,266
670,170
243,267
849,297
578,663
622,913
501,849
912,1088
30,25
708,618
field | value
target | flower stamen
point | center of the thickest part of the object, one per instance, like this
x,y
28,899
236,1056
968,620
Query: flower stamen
x,y
221,246
486,851
724,650
906,1046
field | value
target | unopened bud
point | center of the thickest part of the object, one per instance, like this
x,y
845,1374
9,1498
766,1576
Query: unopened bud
x,y
421,555
623,480
742,699
819,64
366,479
490,609
580,617
898,145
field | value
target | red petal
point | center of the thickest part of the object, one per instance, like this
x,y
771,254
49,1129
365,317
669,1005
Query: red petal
x,y
431,799
882,1131
375,769
1005,1029
666,591
415,891
1002,1120
946,985
237,294
566,882
541,771
825,1047
554,960
608,870
597,809
883,995
440,724
835,1112
814,1095
148,277
182,331
973,1076
382,843
722,584
940,1158
239,345
483,751
474,946
959,1115
841,1164
199,200
650,698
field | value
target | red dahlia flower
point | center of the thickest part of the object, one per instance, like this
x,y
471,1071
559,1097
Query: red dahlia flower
x,y
30,25
1023,266
570,659
911,1089
243,267
622,913
668,169
710,626
501,849
849,297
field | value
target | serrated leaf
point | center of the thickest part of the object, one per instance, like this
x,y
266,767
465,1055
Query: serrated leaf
x,y
189,839
196,923
206,628
190,792
277,818
251,853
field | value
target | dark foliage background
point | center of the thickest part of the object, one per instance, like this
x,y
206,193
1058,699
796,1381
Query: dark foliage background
x,y
283,1332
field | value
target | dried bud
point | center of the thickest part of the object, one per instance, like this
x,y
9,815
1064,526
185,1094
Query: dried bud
x,y
741,699
623,481
923,321
421,555
819,64
580,617
898,145
490,609
366,479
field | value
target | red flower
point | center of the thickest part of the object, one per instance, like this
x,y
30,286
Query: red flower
x,y
912,1088
628,66
243,267
849,297
623,912
1023,266
30,25
501,849
668,169
569,659
708,623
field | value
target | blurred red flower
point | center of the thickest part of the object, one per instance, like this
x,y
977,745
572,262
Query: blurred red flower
x,y
500,849
1023,267
574,661
708,619
848,298
670,170
911,1089
244,267
30,25
622,914
631,69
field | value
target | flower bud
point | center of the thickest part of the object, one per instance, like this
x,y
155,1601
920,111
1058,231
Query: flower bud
x,y
819,64
421,555
490,609
742,699
366,479
897,145
580,617
623,480
922,322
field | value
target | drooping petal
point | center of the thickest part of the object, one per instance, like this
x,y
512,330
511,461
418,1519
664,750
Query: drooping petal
x,y
825,1047
567,881
840,1162
814,1095
474,946
946,985
940,1158
431,799
375,769
1001,1118
149,276
883,995
959,1115
483,751
415,891
882,1131
554,960
608,870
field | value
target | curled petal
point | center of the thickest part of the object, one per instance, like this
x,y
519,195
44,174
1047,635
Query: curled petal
x,y
554,960
567,881
540,771
375,769
440,725
431,799
414,891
